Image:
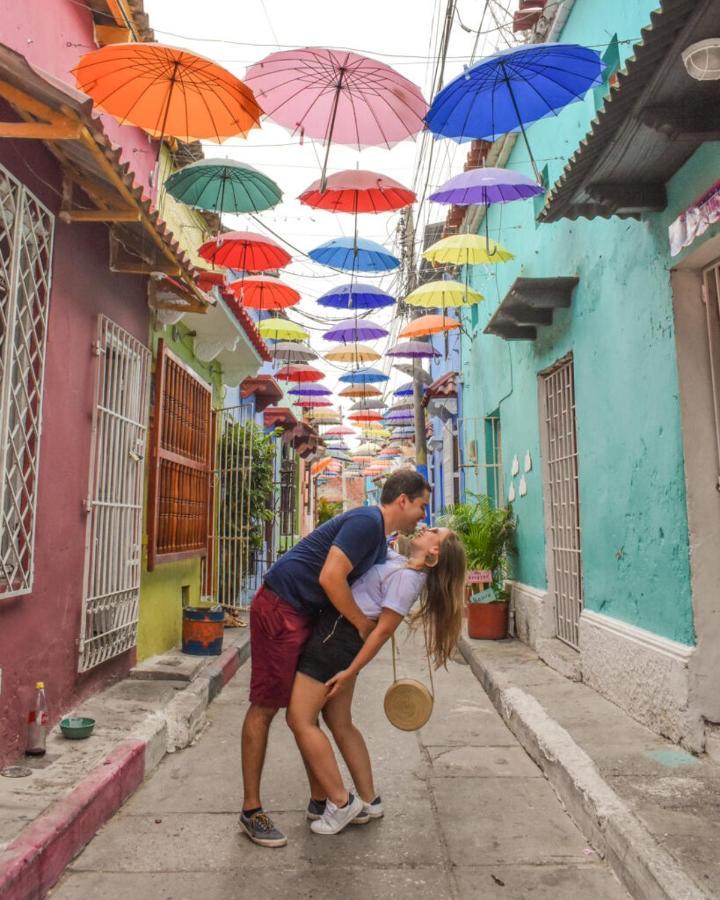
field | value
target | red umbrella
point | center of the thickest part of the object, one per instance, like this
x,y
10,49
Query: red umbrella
x,y
299,373
312,402
339,430
354,191
367,415
264,292
245,250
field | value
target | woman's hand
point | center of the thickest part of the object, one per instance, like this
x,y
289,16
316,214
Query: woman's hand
x,y
337,683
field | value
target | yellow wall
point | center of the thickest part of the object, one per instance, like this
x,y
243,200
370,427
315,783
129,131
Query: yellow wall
x,y
160,625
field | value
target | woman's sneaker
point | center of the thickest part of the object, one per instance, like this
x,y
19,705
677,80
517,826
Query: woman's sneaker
x,y
260,829
369,811
315,810
335,818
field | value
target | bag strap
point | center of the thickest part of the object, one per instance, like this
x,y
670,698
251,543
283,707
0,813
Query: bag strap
x,y
427,654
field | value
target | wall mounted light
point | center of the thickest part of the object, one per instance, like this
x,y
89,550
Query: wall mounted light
x,y
702,60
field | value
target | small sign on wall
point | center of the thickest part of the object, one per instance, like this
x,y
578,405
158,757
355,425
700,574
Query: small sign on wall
x,y
486,596
479,576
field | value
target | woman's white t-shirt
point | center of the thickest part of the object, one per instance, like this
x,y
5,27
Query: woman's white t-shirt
x,y
380,588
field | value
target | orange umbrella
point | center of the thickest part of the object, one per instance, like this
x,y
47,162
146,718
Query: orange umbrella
x,y
427,325
168,91
367,415
359,390
321,465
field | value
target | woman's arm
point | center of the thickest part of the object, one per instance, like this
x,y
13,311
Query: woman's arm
x,y
386,626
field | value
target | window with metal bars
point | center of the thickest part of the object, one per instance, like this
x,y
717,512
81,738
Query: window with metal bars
x,y
26,232
181,462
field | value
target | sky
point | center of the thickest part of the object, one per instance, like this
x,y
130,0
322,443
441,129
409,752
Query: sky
x,y
401,33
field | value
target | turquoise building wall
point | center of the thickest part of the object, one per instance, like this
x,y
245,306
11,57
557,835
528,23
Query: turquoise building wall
x,y
621,333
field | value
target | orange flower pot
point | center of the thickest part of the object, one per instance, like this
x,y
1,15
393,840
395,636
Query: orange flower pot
x,y
488,621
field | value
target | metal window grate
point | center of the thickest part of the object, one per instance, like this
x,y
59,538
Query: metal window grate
x,y
561,483
113,536
287,497
26,232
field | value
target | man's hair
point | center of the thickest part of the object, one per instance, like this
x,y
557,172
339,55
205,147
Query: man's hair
x,y
404,481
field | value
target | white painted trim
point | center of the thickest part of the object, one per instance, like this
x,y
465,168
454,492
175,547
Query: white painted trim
x,y
534,593
641,637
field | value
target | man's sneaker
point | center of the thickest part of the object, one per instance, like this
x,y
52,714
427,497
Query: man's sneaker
x,y
335,818
315,809
369,811
260,829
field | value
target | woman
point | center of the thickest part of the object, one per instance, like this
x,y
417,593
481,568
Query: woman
x,y
335,653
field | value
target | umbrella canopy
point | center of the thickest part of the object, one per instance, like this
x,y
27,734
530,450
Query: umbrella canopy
x,y
168,91
350,330
485,186
369,403
223,185
352,353
311,402
364,376
427,325
245,250
264,292
282,330
310,390
336,445
361,458
299,373
367,415
412,350
340,430
357,191
291,352
466,250
354,255
403,403
339,455
356,296
405,390
443,295
359,390
374,433
415,371
317,467
324,417
399,415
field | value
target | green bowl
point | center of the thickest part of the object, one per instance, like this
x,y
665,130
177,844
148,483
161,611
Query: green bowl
x,y
77,728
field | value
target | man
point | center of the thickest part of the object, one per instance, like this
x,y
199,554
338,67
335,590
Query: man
x,y
316,571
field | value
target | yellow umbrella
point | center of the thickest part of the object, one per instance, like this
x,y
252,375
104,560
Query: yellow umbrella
x,y
443,295
375,431
282,330
466,250
351,353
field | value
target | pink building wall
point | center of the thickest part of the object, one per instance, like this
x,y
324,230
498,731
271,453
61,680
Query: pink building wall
x,y
38,632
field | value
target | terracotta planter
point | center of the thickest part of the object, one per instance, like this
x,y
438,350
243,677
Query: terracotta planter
x,y
488,621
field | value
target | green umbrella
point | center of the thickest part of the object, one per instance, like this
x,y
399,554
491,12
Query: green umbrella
x,y
223,185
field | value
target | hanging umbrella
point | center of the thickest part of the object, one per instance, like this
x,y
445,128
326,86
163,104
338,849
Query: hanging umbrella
x,y
369,403
311,402
466,250
264,292
509,90
364,376
374,432
246,251
352,353
337,96
485,186
367,415
405,390
352,330
360,255
358,191
356,296
399,415
412,350
324,417
336,445
168,91
223,185
340,430
317,467
359,390
443,295
299,373
427,325
362,458
310,390
403,403
291,352
339,456
415,371
281,330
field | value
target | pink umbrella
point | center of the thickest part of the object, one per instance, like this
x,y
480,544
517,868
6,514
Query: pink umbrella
x,y
336,95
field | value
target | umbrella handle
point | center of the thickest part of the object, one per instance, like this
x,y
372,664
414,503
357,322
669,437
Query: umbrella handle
x,y
536,171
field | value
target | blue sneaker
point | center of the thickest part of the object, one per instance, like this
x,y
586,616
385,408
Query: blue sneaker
x,y
260,829
315,810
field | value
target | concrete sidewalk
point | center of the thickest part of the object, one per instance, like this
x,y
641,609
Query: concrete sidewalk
x,y
650,808
47,817
468,814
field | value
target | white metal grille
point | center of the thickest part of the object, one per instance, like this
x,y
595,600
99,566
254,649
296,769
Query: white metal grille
x,y
113,537
561,492
26,231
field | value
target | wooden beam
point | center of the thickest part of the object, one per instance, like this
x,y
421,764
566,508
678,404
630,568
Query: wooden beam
x,y
41,131
625,197
100,215
26,103
112,34
689,122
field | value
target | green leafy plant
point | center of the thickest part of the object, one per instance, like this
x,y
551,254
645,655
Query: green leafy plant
x,y
327,509
487,532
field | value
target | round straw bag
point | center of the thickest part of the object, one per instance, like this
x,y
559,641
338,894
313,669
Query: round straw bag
x,y
408,703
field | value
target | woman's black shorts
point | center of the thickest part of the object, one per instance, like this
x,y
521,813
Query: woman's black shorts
x,y
331,648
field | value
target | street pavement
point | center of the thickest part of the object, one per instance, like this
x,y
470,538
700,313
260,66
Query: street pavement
x,y
468,814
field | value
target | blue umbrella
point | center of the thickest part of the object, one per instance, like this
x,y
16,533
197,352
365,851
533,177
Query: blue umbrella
x,y
509,90
350,255
356,296
364,376
405,390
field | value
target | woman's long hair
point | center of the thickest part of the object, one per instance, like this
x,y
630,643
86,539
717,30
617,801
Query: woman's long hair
x,y
441,602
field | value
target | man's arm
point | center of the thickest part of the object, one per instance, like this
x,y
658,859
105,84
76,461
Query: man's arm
x,y
334,581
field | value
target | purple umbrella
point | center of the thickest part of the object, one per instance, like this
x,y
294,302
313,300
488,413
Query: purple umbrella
x,y
351,330
412,350
310,390
486,185
400,416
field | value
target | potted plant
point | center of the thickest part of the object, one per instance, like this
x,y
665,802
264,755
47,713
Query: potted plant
x,y
487,533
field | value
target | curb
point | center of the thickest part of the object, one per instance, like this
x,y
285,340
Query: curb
x,y
34,861
646,870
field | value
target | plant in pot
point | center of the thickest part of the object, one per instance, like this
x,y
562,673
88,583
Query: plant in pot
x,y
487,533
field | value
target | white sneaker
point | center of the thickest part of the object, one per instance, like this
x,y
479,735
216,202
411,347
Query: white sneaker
x,y
373,810
335,818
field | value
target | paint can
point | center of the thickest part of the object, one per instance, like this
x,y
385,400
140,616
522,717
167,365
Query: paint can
x,y
202,632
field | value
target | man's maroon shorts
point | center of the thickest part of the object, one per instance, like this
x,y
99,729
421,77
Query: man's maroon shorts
x,y
278,633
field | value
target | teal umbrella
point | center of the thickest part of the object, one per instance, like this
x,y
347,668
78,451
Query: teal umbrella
x,y
223,185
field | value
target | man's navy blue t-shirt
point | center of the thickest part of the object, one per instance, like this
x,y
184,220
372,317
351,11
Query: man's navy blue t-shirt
x,y
359,533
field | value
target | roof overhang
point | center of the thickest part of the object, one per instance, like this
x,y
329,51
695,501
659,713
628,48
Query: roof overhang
x,y
266,390
530,302
443,388
279,417
653,120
